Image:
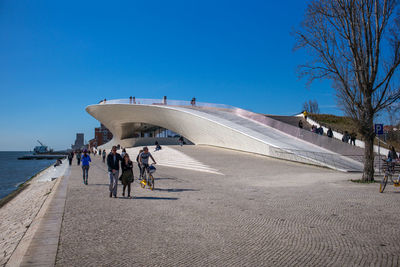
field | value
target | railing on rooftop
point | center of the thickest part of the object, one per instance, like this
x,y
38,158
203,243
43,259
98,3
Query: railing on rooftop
x,y
167,102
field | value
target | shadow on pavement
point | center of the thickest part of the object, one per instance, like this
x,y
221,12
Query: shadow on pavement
x,y
166,178
174,190
151,198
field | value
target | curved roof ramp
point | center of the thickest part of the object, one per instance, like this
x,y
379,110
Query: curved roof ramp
x,y
228,127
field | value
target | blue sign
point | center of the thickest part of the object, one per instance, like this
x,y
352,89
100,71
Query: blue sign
x,y
378,129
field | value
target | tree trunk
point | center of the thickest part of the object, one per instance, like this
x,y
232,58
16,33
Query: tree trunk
x,y
368,174
368,131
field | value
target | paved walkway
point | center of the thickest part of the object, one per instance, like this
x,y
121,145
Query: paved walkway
x,y
261,212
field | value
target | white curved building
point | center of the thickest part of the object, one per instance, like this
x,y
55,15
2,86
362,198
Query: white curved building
x,y
222,126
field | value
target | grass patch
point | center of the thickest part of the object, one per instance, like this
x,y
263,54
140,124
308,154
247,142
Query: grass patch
x,y
337,123
359,181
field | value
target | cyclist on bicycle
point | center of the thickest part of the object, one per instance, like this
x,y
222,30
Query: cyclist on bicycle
x,y
144,160
392,159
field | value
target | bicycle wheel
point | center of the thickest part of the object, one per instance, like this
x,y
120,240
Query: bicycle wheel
x,y
151,181
383,182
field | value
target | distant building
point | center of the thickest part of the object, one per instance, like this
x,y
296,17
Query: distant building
x,y
79,142
102,135
389,128
92,143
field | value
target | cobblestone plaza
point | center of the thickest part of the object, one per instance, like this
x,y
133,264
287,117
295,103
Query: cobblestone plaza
x,y
260,212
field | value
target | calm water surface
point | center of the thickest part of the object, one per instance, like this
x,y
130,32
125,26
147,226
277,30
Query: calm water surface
x,y
14,172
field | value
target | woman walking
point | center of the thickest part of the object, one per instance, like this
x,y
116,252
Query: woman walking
x,y
127,174
85,166
70,157
104,156
78,158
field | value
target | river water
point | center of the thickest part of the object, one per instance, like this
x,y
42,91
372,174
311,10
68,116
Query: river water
x,y
13,172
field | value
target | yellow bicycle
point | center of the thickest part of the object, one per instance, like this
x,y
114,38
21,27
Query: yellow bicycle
x,y
148,178
389,174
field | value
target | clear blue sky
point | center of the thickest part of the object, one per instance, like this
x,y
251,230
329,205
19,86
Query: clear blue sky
x,y
58,57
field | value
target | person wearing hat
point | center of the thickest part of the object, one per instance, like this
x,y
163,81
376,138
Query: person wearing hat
x,y
85,166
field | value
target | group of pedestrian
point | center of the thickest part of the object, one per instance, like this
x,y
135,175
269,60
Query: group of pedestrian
x,y
318,130
349,137
115,160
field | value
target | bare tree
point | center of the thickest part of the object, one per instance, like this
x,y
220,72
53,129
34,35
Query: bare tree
x,y
356,44
311,106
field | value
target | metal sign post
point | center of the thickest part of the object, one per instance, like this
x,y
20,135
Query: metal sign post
x,y
379,154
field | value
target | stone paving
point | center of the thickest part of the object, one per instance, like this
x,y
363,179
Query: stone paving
x,y
262,212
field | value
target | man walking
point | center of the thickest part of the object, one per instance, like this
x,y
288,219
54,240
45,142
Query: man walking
x,y
78,158
113,160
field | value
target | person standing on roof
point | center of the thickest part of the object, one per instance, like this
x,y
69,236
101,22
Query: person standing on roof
x,y
329,133
305,114
353,137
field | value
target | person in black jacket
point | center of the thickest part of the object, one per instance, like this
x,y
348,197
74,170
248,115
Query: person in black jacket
x,y
127,174
113,161
330,132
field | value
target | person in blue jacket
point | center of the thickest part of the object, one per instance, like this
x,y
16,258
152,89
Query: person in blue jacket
x,y
85,166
